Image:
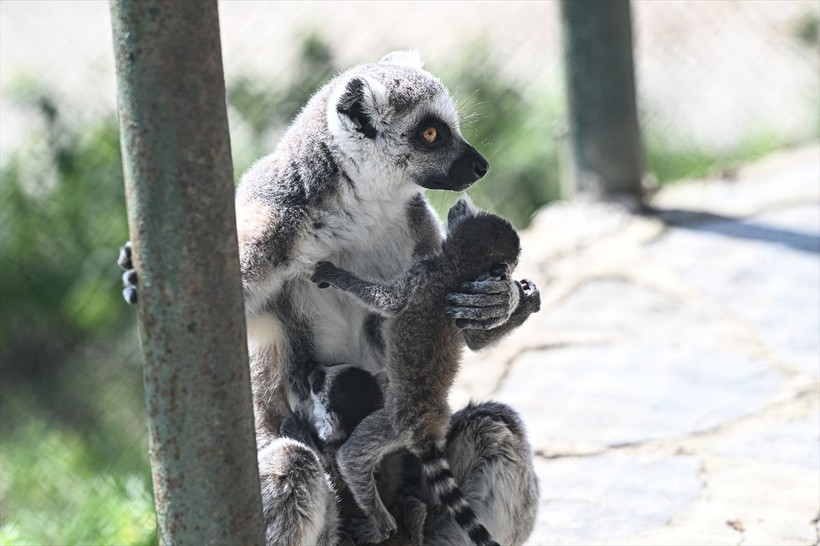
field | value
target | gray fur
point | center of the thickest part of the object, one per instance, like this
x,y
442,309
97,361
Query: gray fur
x,y
334,190
492,462
424,347
297,504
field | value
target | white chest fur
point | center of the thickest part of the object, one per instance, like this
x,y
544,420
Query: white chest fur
x,y
372,240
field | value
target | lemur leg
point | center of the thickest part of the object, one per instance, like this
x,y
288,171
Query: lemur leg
x,y
385,299
491,461
358,459
298,506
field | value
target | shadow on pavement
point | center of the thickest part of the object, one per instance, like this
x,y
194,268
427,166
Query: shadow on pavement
x,y
736,227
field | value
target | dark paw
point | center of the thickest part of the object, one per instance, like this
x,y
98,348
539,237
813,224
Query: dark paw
x,y
129,278
322,274
530,294
482,305
365,531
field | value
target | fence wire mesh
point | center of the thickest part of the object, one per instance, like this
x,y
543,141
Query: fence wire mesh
x,y
718,83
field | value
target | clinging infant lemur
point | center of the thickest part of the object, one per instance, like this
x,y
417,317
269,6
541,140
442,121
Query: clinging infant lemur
x,y
424,349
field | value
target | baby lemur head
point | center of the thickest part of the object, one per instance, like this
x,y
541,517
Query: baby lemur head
x,y
479,243
342,396
399,126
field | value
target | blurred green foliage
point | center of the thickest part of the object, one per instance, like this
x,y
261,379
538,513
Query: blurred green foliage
x,y
74,451
513,130
62,214
807,29
266,110
57,494
73,455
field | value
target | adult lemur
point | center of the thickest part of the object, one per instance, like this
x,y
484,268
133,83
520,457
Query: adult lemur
x,y
423,354
345,185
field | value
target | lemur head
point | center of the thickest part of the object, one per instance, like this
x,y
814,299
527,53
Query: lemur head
x,y
396,119
342,396
480,243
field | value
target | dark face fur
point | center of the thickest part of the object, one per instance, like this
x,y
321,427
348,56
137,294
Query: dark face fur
x,y
480,243
342,397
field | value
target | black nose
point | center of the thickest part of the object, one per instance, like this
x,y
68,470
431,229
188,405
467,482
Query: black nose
x,y
468,168
480,166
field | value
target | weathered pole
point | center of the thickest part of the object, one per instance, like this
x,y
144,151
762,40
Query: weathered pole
x,y
179,192
603,120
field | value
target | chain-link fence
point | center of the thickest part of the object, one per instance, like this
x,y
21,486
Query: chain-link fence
x,y
719,82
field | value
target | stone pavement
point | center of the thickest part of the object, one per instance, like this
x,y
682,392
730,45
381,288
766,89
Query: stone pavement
x,y
671,382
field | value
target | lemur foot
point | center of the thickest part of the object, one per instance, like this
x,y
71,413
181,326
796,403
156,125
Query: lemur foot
x,y
129,278
323,274
530,294
365,531
415,513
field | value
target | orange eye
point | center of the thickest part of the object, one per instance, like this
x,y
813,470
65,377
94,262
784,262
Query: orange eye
x,y
430,134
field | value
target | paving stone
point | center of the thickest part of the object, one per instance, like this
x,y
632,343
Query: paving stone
x,y
618,308
587,398
765,270
743,502
591,499
794,443
647,338
776,503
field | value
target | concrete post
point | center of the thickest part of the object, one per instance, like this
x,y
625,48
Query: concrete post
x,y
179,192
605,137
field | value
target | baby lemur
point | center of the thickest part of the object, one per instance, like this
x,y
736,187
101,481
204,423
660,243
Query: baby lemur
x,y
341,396
424,349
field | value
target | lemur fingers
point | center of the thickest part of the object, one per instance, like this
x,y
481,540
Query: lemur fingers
x,y
129,278
478,313
466,324
476,300
483,305
490,286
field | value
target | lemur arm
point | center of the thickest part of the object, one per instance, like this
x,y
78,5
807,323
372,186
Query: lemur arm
x,y
486,309
387,300
268,241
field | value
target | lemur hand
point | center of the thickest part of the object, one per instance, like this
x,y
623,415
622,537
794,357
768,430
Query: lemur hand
x,y
129,278
484,304
323,274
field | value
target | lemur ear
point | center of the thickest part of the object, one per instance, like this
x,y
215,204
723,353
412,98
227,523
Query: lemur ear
x,y
362,102
459,212
411,58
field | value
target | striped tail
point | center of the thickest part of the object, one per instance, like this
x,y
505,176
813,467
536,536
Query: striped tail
x,y
436,471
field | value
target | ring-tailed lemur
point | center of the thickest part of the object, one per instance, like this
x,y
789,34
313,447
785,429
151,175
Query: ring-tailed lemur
x,y
342,397
424,350
346,184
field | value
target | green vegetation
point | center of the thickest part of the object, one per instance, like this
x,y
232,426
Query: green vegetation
x,y
669,161
807,29
73,459
57,492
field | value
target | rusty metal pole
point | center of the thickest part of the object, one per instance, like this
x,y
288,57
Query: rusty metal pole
x,y
179,192
605,136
